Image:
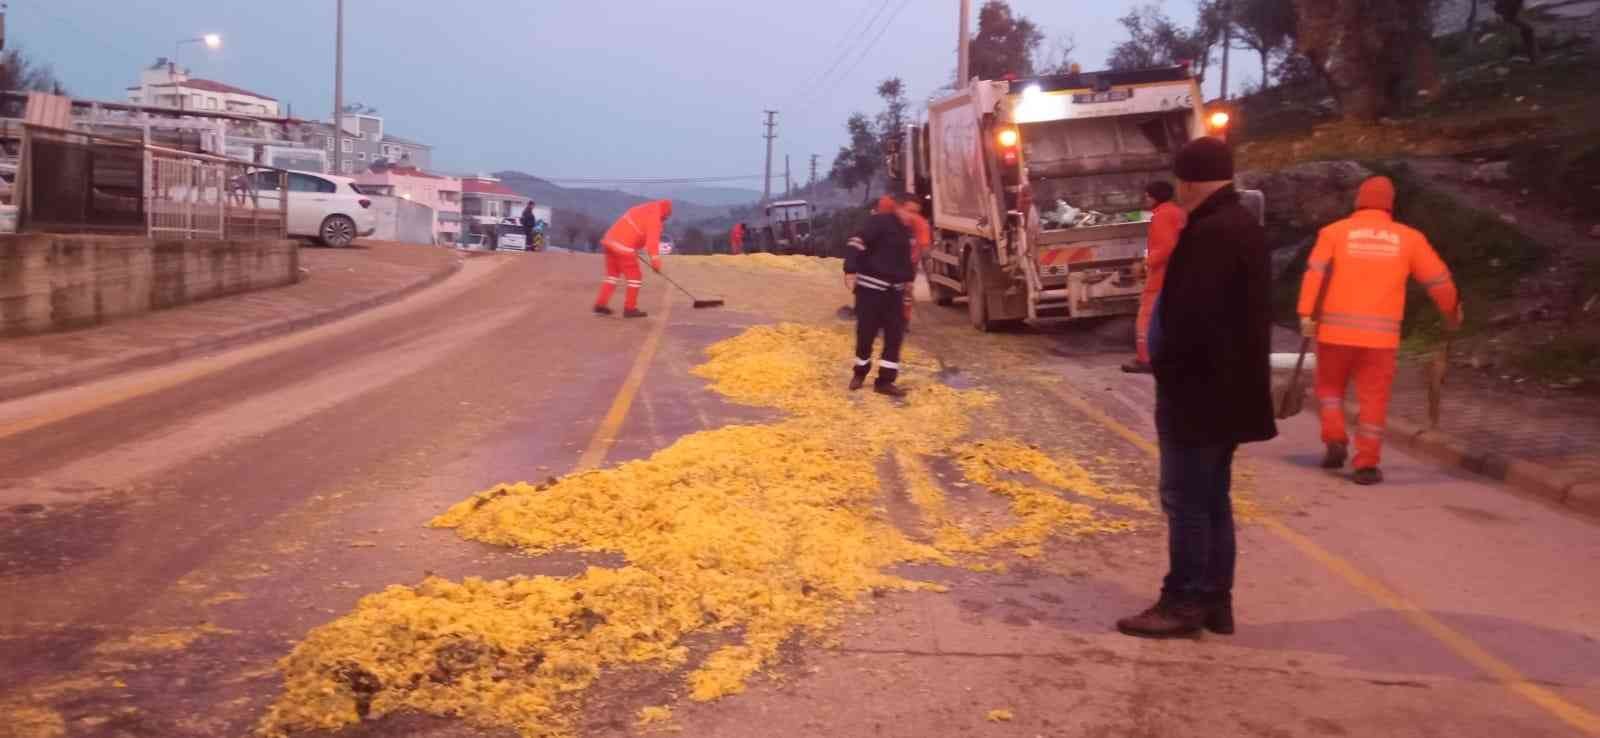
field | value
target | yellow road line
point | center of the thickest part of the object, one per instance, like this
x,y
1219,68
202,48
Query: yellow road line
x,y
606,435
1458,643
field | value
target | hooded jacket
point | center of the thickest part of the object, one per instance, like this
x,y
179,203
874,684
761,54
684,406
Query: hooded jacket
x,y
1371,256
639,228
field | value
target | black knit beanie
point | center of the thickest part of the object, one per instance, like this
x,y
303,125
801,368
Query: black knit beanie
x,y
1206,159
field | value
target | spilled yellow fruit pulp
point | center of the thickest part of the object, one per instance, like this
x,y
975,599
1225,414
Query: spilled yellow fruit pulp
x,y
749,536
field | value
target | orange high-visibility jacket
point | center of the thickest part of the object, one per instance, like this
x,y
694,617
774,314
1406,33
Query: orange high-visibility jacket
x,y
921,238
1166,226
1371,256
639,228
736,237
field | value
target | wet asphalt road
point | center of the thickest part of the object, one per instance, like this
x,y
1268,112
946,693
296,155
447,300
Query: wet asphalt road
x,y
166,535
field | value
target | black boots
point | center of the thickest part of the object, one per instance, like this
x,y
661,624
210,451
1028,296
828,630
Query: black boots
x,y
1178,617
881,387
1137,367
602,310
1334,458
1368,476
635,313
889,388
1219,619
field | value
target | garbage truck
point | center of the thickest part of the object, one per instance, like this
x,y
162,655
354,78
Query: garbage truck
x,y
1036,188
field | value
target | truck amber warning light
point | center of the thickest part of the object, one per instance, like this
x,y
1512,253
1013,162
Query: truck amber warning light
x,y
1007,137
1219,120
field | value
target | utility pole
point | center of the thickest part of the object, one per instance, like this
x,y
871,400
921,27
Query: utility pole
x,y
788,184
338,88
1227,42
771,135
964,47
813,181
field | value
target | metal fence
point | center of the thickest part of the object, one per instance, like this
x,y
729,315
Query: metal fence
x,y
71,182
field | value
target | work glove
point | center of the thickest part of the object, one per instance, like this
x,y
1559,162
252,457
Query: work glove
x,y
655,263
1453,323
1308,328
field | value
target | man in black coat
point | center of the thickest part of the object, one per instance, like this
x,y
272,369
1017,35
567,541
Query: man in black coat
x,y
877,267
1209,343
529,221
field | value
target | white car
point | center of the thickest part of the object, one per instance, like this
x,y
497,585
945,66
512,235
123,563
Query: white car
x,y
324,207
666,246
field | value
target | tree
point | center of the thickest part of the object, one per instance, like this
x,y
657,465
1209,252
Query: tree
x,y
1369,51
856,164
1265,26
1155,41
1057,58
1004,44
892,121
18,72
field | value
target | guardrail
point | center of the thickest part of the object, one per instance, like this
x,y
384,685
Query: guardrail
x,y
70,182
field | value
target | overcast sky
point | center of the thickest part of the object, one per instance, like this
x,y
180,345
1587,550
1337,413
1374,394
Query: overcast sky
x,y
558,88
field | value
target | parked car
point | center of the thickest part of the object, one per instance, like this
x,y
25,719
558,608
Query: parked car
x,y
666,246
323,207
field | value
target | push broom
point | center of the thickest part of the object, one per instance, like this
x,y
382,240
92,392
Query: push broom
x,y
699,304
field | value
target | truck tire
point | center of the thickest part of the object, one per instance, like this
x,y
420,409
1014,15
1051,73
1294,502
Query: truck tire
x,y
942,296
982,276
977,305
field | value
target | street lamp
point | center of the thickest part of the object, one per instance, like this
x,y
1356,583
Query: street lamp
x,y
211,41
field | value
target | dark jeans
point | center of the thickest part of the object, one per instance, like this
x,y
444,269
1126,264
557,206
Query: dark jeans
x,y
880,311
1196,482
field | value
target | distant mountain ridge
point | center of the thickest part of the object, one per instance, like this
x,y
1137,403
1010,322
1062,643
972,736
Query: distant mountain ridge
x,y
603,205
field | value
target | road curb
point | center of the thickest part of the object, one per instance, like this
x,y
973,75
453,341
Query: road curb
x,y
84,373
1562,488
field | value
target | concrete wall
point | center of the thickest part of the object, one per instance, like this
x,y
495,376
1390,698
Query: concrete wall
x,y
55,282
402,220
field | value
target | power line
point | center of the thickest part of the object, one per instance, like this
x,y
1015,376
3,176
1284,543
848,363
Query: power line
x,y
845,41
868,49
845,52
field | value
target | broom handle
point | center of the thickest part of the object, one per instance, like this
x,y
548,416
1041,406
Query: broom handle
x,y
670,281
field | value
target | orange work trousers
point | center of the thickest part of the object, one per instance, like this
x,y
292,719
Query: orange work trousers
x,y
1372,370
621,266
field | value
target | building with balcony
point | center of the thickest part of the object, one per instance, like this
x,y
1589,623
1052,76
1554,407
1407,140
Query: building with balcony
x,y
164,85
364,142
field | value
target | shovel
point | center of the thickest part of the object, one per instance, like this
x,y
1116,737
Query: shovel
x,y
698,303
1294,399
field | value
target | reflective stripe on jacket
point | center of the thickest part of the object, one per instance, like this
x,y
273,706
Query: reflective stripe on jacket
x,y
1372,256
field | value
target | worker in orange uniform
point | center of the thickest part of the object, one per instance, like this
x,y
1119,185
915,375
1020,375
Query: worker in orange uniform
x,y
736,238
1166,225
638,229
1364,261
921,241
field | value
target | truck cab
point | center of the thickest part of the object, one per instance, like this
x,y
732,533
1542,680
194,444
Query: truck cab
x,y
1036,189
